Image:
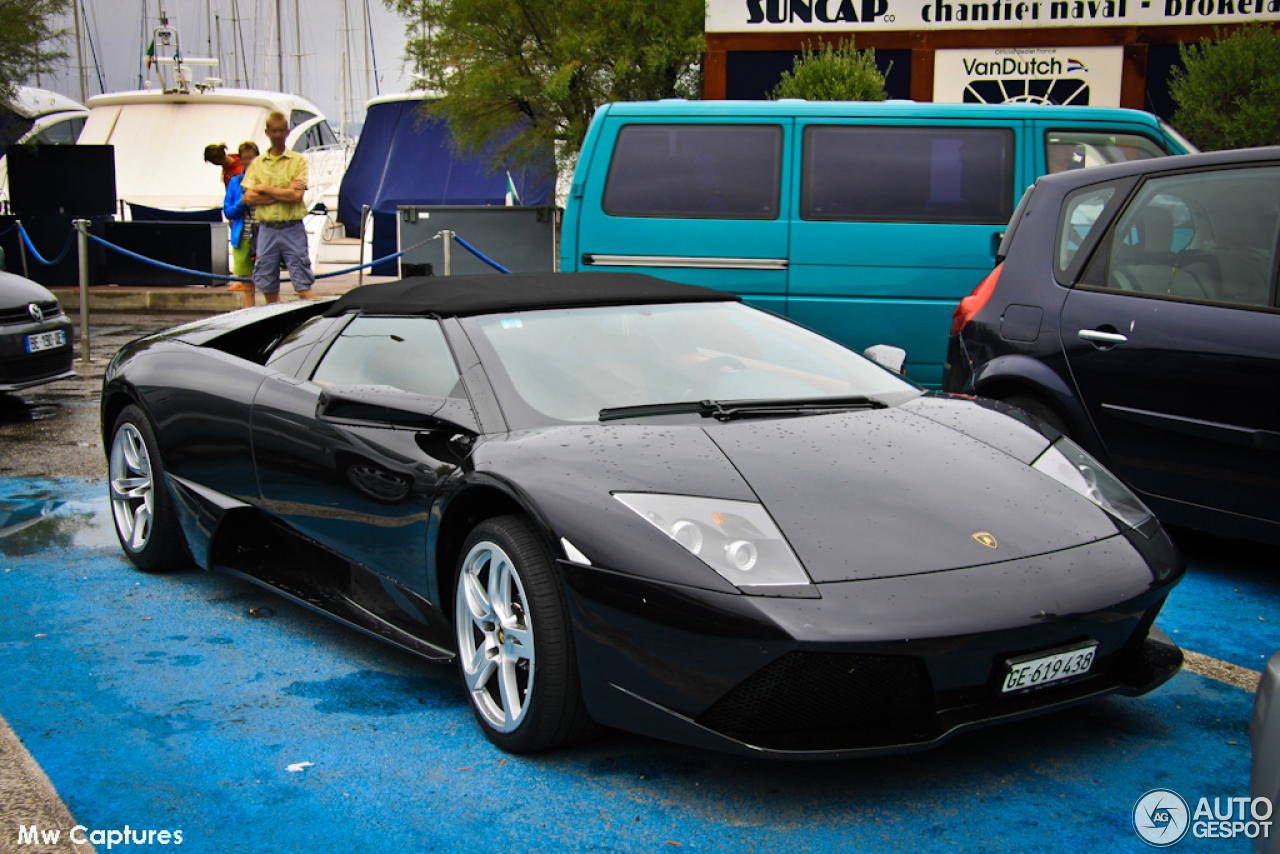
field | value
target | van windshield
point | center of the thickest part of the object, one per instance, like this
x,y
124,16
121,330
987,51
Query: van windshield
x,y
568,365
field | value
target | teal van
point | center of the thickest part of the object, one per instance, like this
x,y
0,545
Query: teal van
x,y
864,221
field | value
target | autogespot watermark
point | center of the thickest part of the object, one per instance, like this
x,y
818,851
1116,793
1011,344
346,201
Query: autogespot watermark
x,y
34,834
1162,818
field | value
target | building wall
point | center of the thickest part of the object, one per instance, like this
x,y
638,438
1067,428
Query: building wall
x,y
1101,52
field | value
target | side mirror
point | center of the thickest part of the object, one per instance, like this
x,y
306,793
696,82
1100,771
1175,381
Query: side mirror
x,y
387,406
889,357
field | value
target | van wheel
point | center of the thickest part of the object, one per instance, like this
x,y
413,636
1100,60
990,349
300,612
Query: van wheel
x,y
1035,406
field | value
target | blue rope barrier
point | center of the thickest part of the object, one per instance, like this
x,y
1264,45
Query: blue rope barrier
x,y
11,227
35,254
476,252
226,278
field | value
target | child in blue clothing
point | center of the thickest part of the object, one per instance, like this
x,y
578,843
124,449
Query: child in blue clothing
x,y
240,216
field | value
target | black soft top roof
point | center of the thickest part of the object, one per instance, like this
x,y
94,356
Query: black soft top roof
x,y
456,296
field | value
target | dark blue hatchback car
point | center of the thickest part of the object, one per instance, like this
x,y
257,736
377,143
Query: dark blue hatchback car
x,y
1135,309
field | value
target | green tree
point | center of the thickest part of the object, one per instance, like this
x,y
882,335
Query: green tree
x,y
833,73
29,41
544,67
1228,95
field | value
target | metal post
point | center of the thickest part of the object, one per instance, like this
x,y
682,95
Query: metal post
x,y
22,250
82,230
447,237
364,216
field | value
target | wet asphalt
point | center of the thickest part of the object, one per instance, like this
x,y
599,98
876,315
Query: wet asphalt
x,y
52,430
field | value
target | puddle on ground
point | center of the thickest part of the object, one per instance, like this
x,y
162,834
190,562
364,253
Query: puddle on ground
x,y
19,410
32,524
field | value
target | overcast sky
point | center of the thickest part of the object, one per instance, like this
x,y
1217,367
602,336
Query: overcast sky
x,y
117,29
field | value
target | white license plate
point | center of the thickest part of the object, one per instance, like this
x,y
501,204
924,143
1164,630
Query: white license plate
x,y
1027,673
46,340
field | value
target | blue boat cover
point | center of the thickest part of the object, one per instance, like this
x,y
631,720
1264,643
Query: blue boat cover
x,y
405,159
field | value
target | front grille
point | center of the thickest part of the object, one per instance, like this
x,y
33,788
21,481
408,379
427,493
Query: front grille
x,y
20,314
46,364
806,699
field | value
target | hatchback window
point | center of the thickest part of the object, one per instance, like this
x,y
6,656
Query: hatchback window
x,y
908,174
1075,149
408,353
1079,215
696,172
1205,236
61,133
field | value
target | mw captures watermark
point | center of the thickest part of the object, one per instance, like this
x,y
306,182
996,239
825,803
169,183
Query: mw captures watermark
x,y
34,834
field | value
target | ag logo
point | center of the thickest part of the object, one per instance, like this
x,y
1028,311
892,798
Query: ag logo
x,y
986,539
1160,818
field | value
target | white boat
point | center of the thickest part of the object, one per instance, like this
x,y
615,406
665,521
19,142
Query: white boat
x,y
40,116
159,140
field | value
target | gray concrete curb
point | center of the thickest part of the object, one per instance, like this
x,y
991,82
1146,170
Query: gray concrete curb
x,y
28,798
139,300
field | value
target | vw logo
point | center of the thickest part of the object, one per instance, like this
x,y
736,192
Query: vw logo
x,y
37,313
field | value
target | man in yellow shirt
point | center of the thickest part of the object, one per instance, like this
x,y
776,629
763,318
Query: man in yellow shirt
x,y
274,185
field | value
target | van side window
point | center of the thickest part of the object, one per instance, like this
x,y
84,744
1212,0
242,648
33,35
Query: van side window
x,y
730,171
907,174
1202,236
1079,149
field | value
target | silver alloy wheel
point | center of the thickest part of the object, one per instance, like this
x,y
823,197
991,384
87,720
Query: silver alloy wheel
x,y
495,636
132,488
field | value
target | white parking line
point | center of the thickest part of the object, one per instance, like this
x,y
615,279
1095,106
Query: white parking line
x,y
1232,674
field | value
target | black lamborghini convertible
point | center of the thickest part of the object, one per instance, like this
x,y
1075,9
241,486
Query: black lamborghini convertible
x,y
622,501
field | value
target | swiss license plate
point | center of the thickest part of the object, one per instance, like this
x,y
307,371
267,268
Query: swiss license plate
x,y
1041,670
46,340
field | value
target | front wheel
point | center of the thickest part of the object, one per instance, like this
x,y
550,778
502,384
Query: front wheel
x,y
146,524
515,644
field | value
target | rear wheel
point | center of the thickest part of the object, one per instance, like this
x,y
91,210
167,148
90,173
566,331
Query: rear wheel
x,y
515,644
1039,409
140,503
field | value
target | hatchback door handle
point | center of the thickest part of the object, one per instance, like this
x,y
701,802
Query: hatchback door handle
x,y
1102,337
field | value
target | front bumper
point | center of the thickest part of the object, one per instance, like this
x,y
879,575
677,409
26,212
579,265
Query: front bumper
x,y
857,672
21,370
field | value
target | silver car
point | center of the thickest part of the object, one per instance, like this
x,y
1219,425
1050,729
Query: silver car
x,y
36,339
1264,733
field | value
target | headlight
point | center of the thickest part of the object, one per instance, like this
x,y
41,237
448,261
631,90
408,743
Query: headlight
x,y
1069,465
737,539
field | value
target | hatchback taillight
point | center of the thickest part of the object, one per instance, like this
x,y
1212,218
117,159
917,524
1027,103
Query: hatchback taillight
x,y
973,303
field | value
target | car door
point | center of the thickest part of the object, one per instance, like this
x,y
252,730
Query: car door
x,y
895,224
1171,339
354,482
701,202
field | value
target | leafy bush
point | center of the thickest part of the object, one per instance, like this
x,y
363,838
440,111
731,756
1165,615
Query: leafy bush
x,y
833,73
1229,94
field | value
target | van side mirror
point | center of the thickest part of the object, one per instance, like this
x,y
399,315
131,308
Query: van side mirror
x,y
888,357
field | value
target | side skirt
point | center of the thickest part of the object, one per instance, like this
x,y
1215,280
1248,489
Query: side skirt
x,y
271,556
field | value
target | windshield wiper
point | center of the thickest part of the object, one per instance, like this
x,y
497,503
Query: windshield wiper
x,y
728,410
680,407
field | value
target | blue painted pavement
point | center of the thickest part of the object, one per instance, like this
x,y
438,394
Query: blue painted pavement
x,y
159,702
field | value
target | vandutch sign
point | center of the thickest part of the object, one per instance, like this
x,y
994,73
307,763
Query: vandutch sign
x,y
738,16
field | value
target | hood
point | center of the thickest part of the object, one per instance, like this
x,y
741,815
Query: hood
x,y
890,492
17,292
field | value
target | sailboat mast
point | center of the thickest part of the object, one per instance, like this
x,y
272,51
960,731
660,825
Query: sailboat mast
x,y
297,41
368,69
75,13
279,47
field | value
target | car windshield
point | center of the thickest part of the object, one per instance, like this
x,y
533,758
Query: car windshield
x,y
568,365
